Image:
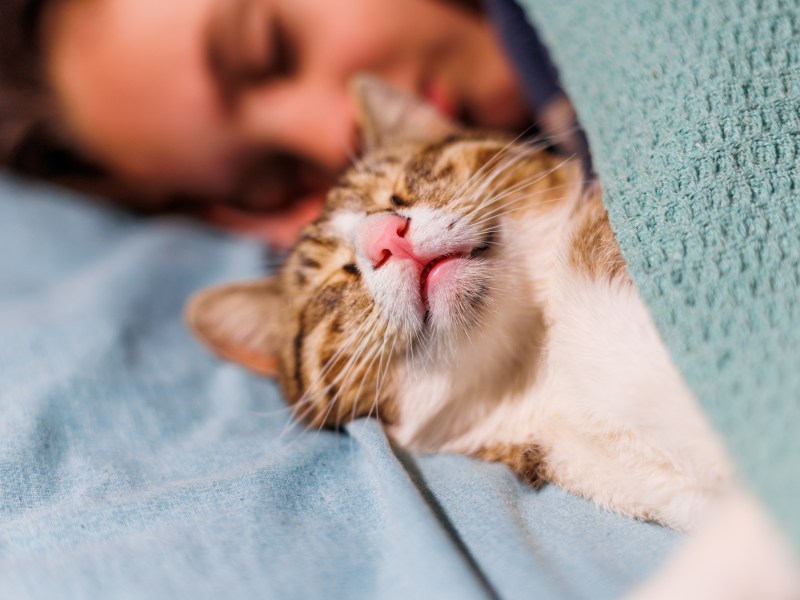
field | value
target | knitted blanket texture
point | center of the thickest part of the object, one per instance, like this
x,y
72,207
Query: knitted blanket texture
x,y
692,110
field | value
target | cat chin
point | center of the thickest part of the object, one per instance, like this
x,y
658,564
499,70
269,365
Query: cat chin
x,y
444,301
455,293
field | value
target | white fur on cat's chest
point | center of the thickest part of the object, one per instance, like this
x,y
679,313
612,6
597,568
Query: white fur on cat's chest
x,y
606,403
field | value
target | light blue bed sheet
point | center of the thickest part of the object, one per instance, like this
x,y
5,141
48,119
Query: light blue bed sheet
x,y
135,465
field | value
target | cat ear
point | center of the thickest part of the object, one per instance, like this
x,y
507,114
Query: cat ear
x,y
240,322
388,116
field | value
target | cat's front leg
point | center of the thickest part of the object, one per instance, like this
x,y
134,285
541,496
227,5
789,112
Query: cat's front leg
x,y
627,472
526,460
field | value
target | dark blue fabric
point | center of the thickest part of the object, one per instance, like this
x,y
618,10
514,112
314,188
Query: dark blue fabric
x,y
537,76
536,71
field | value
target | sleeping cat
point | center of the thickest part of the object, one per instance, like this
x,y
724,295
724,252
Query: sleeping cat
x,y
467,290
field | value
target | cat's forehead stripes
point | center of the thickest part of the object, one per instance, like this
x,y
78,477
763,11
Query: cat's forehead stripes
x,y
416,173
368,186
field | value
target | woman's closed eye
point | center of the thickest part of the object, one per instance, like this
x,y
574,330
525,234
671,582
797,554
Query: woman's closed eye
x,y
281,60
246,45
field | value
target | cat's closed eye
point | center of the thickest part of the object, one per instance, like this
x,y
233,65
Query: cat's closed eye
x,y
399,201
351,268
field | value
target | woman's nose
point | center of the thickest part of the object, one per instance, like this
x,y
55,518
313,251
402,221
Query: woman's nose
x,y
311,121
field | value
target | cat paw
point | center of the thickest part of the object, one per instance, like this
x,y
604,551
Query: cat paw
x,y
526,460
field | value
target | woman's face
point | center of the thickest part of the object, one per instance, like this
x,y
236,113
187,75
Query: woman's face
x,y
251,98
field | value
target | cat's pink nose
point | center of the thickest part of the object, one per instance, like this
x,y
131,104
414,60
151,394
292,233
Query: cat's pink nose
x,y
384,236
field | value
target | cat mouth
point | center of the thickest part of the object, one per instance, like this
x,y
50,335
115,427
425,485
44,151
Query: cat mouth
x,y
428,269
442,266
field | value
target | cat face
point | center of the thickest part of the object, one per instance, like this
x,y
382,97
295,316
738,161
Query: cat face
x,y
402,271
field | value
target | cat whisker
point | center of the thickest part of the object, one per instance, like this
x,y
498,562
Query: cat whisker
x,y
545,140
381,383
519,187
342,381
306,399
518,209
344,387
413,362
495,212
480,199
524,183
361,384
491,178
479,174
381,373
491,174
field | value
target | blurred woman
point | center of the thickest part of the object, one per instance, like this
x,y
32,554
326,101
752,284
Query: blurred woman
x,y
230,103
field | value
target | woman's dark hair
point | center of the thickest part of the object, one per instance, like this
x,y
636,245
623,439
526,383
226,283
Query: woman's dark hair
x,y
23,97
32,140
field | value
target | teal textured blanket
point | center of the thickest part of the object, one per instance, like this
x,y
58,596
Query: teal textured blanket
x,y
692,110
